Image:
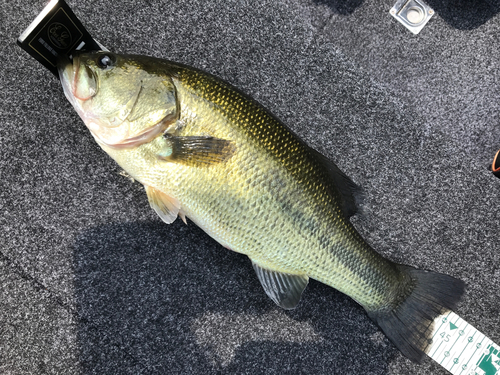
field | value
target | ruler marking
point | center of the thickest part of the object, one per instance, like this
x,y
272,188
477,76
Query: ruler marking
x,y
481,358
443,320
469,342
461,332
465,347
437,349
462,349
472,356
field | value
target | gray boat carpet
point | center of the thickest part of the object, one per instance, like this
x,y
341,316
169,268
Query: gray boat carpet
x,y
91,280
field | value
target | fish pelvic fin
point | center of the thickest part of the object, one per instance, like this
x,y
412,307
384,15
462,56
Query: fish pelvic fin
x,y
283,288
409,324
164,205
196,150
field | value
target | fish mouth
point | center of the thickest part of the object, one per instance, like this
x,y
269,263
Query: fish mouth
x,y
77,79
66,72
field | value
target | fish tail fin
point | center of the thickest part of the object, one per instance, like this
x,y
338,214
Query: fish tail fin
x,y
409,323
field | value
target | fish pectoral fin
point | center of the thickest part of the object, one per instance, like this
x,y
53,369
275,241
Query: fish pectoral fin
x,y
196,150
165,206
283,288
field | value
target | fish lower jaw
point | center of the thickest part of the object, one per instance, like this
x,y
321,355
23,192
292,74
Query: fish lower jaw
x,y
140,138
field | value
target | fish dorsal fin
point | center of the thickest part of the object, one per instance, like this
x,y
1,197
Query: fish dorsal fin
x,y
165,206
283,288
195,150
351,194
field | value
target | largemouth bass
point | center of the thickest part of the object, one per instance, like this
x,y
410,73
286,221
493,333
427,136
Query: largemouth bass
x,y
205,151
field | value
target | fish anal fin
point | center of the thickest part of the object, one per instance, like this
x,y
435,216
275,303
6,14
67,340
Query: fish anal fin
x,y
164,205
283,288
351,194
196,150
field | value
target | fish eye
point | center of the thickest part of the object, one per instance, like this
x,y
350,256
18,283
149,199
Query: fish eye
x,y
105,61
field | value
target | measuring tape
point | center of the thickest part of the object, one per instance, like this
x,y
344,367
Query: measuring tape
x,y
462,349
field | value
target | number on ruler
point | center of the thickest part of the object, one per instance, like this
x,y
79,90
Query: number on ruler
x,y
444,336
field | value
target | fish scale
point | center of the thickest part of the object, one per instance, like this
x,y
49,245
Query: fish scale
x,y
242,176
265,133
294,157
